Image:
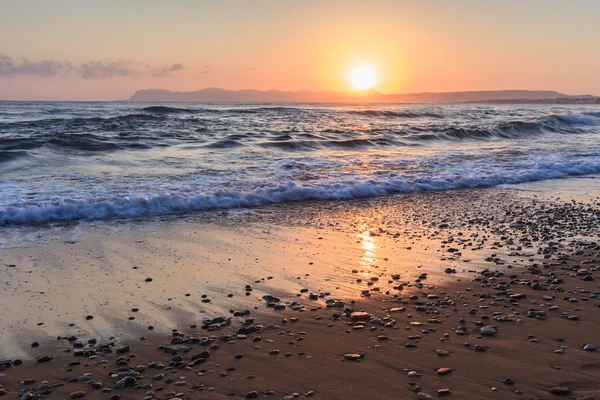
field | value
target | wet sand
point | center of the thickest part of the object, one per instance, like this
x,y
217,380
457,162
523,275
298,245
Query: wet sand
x,y
429,270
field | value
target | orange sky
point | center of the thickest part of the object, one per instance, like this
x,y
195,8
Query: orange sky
x,y
105,50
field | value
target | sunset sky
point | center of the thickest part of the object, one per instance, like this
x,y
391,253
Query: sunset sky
x,y
105,50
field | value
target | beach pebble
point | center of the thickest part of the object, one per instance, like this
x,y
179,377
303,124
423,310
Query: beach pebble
x,y
122,349
560,390
425,396
77,395
353,356
128,381
271,299
589,347
488,330
444,371
360,316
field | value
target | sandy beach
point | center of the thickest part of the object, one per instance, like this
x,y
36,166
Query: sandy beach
x,y
332,200
468,294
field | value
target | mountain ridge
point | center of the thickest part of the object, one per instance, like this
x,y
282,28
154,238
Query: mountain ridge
x,y
213,94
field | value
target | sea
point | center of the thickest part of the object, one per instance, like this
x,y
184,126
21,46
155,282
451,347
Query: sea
x,y
67,161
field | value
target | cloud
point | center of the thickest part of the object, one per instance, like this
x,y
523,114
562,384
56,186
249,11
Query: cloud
x,y
11,68
101,70
162,72
45,68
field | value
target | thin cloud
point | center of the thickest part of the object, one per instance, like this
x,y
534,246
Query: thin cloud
x,y
102,70
45,68
11,68
162,72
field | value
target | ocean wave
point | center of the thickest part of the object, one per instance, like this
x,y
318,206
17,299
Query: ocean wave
x,y
78,122
294,145
395,114
579,119
518,129
166,110
223,144
221,197
12,155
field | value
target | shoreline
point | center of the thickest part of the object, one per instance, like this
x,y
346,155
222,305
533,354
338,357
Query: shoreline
x,y
422,256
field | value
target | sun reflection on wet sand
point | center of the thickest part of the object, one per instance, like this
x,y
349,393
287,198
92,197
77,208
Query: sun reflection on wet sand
x,y
368,245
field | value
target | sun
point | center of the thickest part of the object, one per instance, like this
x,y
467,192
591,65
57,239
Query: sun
x,y
363,77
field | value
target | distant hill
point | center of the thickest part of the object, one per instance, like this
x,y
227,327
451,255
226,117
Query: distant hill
x,y
369,96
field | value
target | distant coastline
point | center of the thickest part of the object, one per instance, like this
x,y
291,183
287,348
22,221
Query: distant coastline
x,y
369,96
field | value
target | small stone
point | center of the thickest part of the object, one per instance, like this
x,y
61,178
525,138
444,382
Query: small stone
x,y
425,396
252,395
353,356
488,330
128,381
77,395
444,371
442,353
560,390
204,354
589,347
360,316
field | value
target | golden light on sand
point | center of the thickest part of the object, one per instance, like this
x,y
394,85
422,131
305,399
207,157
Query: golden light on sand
x,y
368,247
363,77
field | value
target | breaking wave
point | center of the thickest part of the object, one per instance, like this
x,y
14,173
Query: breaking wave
x,y
263,193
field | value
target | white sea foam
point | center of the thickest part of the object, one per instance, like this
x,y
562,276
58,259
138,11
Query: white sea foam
x,y
140,204
587,119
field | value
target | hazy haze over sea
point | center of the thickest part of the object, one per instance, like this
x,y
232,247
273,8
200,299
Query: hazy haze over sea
x,y
67,161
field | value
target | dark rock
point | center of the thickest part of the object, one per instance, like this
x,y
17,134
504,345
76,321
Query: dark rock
x,y
128,381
